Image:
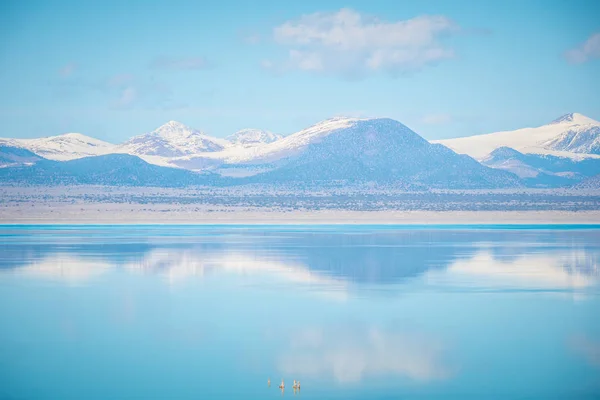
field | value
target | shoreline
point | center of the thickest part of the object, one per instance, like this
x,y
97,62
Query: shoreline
x,y
331,217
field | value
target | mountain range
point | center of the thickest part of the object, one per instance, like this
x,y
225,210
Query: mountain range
x,y
572,135
561,153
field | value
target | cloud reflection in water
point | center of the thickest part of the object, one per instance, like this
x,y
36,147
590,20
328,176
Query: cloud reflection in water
x,y
351,355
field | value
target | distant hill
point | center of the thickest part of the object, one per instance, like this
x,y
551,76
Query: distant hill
x,y
112,169
11,156
589,183
542,170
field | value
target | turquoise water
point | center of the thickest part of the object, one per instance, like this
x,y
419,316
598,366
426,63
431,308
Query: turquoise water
x,y
353,312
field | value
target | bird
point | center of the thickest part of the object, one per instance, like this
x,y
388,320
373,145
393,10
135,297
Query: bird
x,y
298,385
282,386
269,382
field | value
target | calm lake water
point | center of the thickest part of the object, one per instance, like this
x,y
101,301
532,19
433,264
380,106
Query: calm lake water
x,y
353,312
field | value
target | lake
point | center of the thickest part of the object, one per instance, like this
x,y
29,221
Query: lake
x,y
352,312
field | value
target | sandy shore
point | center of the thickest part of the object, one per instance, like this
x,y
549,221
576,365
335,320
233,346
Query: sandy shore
x,y
134,214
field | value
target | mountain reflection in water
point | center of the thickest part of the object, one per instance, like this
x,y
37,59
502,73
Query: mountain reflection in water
x,y
557,259
359,312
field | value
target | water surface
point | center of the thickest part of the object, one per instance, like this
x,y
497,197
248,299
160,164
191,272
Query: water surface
x,y
353,312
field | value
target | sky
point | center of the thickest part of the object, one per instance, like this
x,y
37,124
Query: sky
x,y
114,69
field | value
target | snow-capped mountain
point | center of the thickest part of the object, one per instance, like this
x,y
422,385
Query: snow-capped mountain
x,y
346,149
252,137
286,147
582,139
172,139
572,135
294,144
374,150
64,147
339,149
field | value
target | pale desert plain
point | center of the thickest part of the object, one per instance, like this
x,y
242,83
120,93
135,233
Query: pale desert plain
x,y
117,205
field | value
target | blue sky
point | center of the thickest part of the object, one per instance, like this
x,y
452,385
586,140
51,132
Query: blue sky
x,y
114,69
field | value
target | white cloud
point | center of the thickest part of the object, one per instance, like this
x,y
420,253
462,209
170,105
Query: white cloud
x,y
266,64
128,97
252,38
437,119
587,51
349,42
308,61
120,80
179,64
129,91
67,70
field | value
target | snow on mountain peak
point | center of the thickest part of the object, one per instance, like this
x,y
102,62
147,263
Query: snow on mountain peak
x,y
73,139
566,136
574,119
327,126
253,137
172,139
174,129
563,118
63,147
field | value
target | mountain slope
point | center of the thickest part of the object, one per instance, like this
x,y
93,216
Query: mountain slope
x,y
542,169
252,137
589,183
68,146
112,169
584,139
382,150
569,134
172,139
11,156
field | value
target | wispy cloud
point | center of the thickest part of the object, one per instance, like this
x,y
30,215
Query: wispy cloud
x,y
127,97
120,79
180,64
67,70
586,51
252,38
267,64
121,91
130,91
436,119
348,42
